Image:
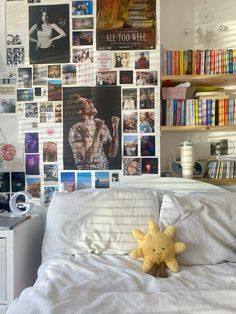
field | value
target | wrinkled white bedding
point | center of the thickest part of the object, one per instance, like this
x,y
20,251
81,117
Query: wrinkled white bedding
x,y
94,284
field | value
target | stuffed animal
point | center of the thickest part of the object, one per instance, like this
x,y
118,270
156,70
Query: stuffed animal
x,y
157,248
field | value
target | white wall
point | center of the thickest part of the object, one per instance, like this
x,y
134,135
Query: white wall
x,y
175,14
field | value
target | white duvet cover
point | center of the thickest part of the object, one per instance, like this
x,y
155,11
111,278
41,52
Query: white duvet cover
x,y
93,284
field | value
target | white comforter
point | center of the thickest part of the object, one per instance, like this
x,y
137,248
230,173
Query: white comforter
x,y
115,284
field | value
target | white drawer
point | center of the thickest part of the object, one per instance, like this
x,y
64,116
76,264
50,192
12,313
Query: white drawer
x,y
3,271
3,309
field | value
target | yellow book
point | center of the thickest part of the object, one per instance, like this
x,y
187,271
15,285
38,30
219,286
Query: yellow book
x,y
181,62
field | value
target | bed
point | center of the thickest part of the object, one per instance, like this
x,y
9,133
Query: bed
x,y
88,235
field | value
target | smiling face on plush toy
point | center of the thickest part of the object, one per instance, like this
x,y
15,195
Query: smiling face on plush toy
x,y
156,247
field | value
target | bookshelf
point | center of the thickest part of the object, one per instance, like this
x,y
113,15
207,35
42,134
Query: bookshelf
x,y
219,80
204,132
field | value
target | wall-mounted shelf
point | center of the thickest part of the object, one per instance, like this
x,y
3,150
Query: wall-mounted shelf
x,y
221,80
179,129
218,181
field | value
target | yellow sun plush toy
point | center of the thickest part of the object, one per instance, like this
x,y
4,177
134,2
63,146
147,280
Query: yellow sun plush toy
x,y
157,248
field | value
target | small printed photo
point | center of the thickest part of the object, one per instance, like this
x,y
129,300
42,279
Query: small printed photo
x,y
15,56
132,166
41,92
84,180
126,77
54,71
7,105
32,164
102,180
54,90
115,177
142,60
33,186
25,94
150,165
31,143
18,181
82,23
121,59
4,182
69,74
40,74
49,152
8,78
147,122
146,78
58,113
220,147
4,202
147,98
82,56
48,193
24,77
104,61
130,120
83,38
106,78
14,39
82,7
46,106
148,145
68,179
129,99
50,174
130,145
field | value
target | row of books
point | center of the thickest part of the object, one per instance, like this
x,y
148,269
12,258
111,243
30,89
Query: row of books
x,y
220,169
198,62
198,112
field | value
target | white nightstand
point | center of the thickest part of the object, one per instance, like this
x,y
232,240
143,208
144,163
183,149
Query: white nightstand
x,y
20,257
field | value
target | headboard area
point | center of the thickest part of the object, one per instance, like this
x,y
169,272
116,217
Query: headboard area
x,y
165,184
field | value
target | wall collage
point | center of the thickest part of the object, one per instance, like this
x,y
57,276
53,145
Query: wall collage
x,y
79,100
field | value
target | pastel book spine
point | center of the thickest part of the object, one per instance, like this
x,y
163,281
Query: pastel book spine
x,y
234,111
208,111
164,62
204,112
175,112
178,118
183,113
207,61
216,61
213,112
220,61
221,112
226,111
212,61
227,61
177,61
167,112
171,111
231,112
200,112
202,62
168,62
231,61
198,62
173,63
193,115
188,111
234,61
196,107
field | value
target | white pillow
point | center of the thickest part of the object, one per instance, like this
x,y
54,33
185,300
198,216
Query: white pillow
x,y
206,222
97,221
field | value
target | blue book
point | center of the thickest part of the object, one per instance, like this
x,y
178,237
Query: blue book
x,y
231,112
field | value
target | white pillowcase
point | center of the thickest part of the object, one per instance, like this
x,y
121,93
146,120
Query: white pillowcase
x,y
205,222
97,221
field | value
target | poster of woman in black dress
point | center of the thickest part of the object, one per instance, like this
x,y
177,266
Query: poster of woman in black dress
x,y
49,40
